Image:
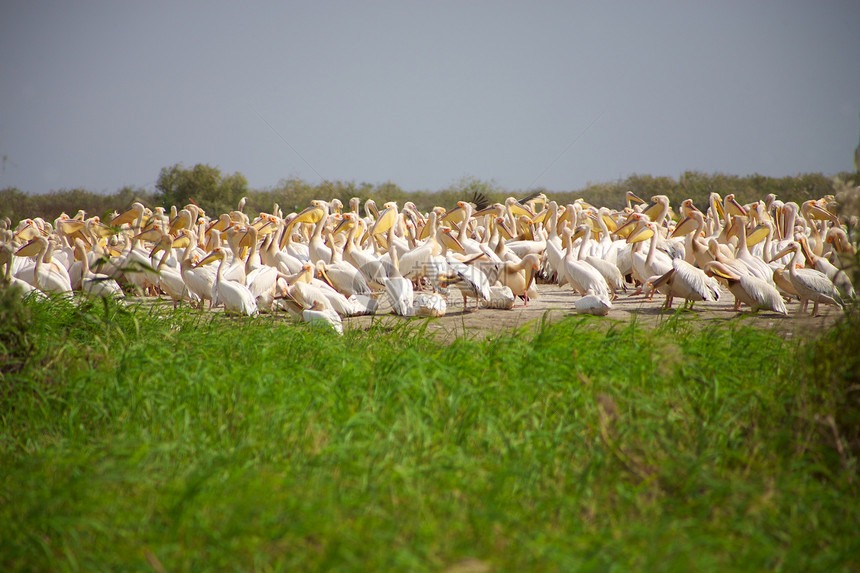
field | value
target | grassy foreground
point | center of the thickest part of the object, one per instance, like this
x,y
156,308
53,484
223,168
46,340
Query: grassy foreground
x,y
132,441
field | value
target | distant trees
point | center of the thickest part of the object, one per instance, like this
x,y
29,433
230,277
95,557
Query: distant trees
x,y
217,193
18,205
202,184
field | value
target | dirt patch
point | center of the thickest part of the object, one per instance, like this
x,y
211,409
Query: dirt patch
x,y
556,303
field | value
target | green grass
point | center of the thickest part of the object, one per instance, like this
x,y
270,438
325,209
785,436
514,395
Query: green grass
x,y
135,439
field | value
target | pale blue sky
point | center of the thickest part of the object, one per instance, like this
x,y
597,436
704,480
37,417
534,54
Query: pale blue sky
x,y
528,94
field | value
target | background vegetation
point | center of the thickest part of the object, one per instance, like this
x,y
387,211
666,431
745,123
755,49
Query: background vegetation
x,y
217,192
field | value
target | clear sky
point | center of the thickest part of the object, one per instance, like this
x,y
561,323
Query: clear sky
x,y
103,94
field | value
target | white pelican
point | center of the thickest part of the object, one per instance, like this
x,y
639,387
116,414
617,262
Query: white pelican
x,y
687,282
501,297
260,278
136,213
13,282
43,274
748,289
430,304
462,217
171,280
305,289
835,274
584,278
199,280
757,266
399,289
554,252
317,249
343,277
426,260
519,277
523,247
592,304
655,262
295,249
235,296
368,264
134,264
610,271
95,284
471,281
692,228
272,255
320,315
810,284
657,210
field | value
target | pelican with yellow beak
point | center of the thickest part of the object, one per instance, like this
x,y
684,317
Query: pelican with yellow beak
x,y
136,213
95,284
43,274
235,296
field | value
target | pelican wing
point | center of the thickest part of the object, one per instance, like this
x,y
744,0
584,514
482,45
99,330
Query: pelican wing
x,y
762,294
816,284
696,280
472,276
399,291
501,297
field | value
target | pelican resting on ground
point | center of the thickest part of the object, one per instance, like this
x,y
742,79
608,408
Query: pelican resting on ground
x,y
501,297
592,304
321,315
430,304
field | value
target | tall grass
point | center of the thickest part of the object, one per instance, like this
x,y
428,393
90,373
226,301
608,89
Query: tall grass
x,y
135,439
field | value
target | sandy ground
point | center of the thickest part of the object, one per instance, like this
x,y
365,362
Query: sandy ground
x,y
557,302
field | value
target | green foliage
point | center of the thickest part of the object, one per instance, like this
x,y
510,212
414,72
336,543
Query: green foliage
x,y
218,193
18,205
148,438
828,415
202,184
16,346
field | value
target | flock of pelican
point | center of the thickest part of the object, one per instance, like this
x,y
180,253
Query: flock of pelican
x,y
328,262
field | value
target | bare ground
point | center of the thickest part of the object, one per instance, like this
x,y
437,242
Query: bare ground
x,y
556,303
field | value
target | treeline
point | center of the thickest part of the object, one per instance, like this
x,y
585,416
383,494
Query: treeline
x,y
217,193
